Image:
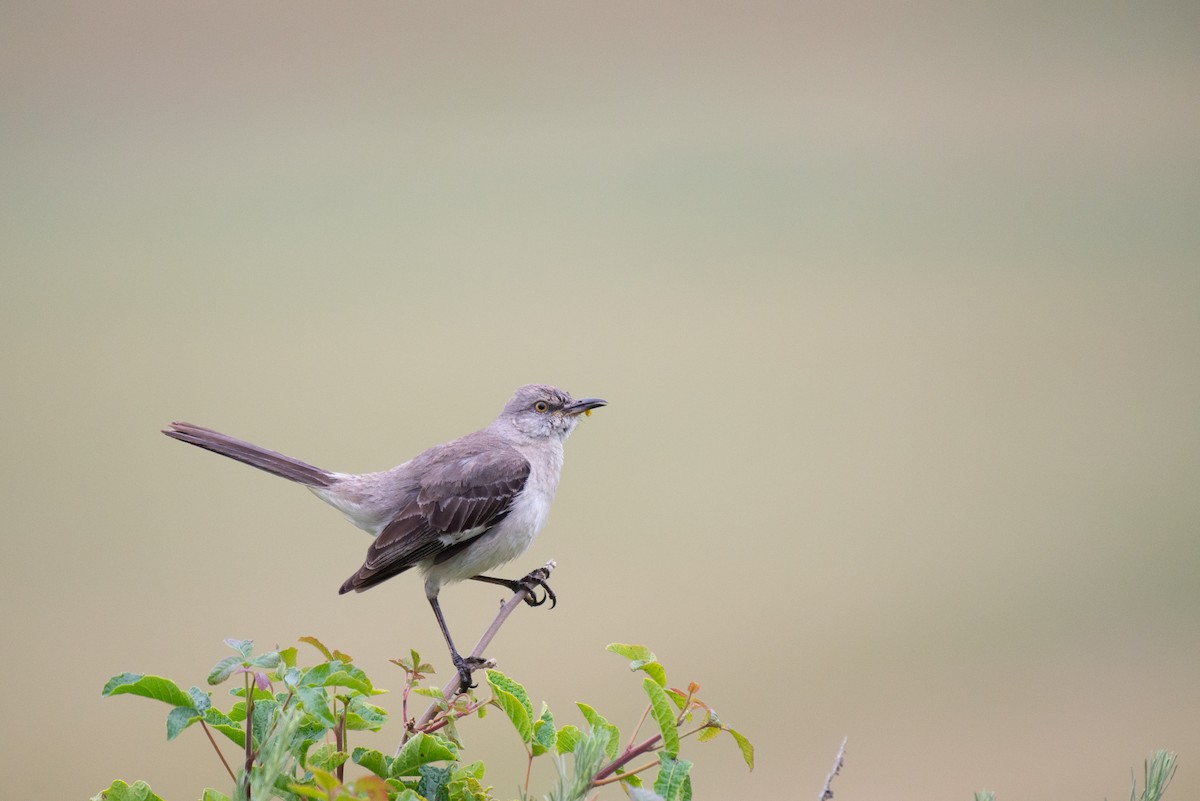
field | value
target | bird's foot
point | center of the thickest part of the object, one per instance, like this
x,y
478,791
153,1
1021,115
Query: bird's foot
x,y
529,585
466,666
532,583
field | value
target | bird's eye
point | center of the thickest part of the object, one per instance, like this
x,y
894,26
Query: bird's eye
x,y
540,407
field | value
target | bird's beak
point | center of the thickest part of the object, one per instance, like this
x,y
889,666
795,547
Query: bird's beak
x,y
583,406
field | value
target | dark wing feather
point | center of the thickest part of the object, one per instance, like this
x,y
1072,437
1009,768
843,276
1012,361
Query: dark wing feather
x,y
461,490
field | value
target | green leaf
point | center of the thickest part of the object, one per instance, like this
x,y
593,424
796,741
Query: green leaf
x,y
746,748
594,718
314,701
219,721
372,760
514,688
320,646
434,783
155,687
338,674
257,694
660,708
673,778
708,733
631,652
200,699
243,647
290,677
212,795
325,757
308,790
468,789
373,787
597,721
652,669
566,739
544,735
363,716
120,791
677,698
224,669
179,719
324,779
268,660
421,749
512,698
472,770
408,794
265,713
641,658
288,657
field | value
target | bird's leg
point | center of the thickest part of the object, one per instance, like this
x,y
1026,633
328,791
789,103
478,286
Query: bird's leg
x,y
529,584
466,664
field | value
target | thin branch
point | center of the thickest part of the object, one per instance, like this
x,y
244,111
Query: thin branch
x,y
228,769
645,747
698,729
626,774
827,792
339,737
453,713
638,728
687,706
249,732
451,688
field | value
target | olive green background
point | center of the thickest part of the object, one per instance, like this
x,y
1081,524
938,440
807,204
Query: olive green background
x,y
897,310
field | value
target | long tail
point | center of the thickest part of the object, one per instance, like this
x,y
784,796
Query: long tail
x,y
251,454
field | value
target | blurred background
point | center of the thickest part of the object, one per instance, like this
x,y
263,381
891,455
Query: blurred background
x,y
897,311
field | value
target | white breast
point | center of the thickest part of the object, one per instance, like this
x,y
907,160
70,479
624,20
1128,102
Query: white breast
x,y
513,536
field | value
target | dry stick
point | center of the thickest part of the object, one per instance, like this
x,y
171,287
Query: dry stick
x,y
827,792
451,688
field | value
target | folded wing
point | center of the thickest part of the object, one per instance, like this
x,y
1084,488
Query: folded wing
x,y
464,492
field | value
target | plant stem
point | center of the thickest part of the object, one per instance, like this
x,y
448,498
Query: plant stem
x,y
624,775
408,684
644,747
687,707
339,736
455,713
638,728
249,733
221,756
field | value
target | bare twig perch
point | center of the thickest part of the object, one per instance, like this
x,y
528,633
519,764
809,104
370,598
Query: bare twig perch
x,y
827,792
452,686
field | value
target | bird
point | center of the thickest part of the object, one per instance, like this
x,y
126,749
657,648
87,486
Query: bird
x,y
455,511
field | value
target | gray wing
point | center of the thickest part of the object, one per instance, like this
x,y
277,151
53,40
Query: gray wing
x,y
463,492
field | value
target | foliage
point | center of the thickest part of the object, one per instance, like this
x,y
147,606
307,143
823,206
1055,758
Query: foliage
x,y
291,726
1157,774
1157,771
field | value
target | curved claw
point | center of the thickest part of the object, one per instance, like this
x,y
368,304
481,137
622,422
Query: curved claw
x,y
529,585
532,583
466,666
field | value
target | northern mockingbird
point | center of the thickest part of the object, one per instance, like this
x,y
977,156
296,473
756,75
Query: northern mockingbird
x,y
456,511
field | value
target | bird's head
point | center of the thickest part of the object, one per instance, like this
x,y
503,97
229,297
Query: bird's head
x,y
539,411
